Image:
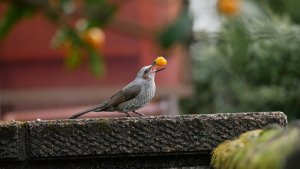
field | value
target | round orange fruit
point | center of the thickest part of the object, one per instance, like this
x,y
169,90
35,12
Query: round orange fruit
x,y
160,61
95,37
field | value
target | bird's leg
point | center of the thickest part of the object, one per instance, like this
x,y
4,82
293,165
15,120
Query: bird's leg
x,y
141,114
128,115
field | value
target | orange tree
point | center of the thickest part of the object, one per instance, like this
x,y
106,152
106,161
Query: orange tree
x,y
85,36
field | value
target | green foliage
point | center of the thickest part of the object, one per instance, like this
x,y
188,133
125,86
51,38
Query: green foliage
x,y
93,13
259,149
229,153
252,65
74,59
286,7
97,64
15,12
99,12
87,15
180,31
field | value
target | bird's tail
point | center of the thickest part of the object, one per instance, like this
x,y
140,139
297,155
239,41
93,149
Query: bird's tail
x,y
96,108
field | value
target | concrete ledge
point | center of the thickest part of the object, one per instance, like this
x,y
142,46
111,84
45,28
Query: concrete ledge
x,y
12,141
147,142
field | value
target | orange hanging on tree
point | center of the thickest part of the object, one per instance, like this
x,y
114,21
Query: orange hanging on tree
x,y
95,37
229,7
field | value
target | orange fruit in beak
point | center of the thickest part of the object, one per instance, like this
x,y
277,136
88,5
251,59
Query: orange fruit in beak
x,y
160,61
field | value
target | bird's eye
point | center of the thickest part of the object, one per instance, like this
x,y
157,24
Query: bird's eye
x,y
146,71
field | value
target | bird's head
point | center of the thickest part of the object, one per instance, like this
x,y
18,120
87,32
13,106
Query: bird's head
x,y
148,72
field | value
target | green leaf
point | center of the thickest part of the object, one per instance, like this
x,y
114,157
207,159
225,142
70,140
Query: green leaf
x,y
68,6
15,12
179,31
96,63
73,60
59,38
293,9
99,12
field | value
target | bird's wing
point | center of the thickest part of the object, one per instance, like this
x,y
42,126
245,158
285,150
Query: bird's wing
x,y
127,93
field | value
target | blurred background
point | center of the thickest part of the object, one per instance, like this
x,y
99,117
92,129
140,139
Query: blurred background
x,y
59,57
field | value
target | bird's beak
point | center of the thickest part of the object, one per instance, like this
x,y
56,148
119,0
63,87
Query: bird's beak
x,y
158,70
154,68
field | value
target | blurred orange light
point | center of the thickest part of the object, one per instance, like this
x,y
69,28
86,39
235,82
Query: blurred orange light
x,y
229,7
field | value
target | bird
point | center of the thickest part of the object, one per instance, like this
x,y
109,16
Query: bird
x,y
132,97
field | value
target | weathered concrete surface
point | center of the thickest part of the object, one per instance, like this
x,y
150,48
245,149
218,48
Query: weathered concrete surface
x,y
147,142
149,135
12,140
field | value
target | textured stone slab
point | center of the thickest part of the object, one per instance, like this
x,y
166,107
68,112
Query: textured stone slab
x,y
12,140
147,142
147,136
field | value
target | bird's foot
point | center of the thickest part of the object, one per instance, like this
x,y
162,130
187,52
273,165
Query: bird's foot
x,y
140,114
128,115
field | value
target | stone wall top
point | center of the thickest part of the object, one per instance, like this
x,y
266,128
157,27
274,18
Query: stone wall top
x,y
133,137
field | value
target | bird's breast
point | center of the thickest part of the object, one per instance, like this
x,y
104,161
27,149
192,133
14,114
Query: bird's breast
x,y
145,96
147,93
